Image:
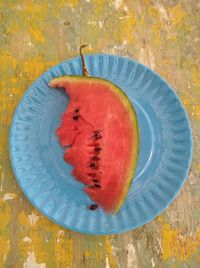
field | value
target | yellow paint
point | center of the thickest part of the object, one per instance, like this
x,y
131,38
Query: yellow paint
x,y
127,27
64,251
198,167
160,218
34,67
36,34
100,8
177,15
60,245
88,253
165,60
7,61
43,249
4,247
195,112
111,259
72,3
192,108
13,28
34,10
154,24
186,99
5,212
195,73
174,244
23,218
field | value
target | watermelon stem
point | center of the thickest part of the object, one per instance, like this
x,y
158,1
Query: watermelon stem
x,y
84,68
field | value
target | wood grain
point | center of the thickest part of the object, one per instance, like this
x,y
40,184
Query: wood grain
x,y
35,35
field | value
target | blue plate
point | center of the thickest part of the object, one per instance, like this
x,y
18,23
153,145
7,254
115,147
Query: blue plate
x,y
164,158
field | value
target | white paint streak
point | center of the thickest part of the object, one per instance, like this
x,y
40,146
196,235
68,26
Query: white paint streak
x,y
31,262
151,59
33,218
142,56
147,57
164,16
27,239
152,262
174,216
100,24
160,245
107,262
163,12
119,49
60,234
115,254
92,22
117,3
131,256
9,196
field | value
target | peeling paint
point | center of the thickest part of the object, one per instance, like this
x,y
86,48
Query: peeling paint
x,y
117,3
146,57
152,262
163,12
31,262
100,24
107,262
9,196
33,218
131,256
27,239
111,259
177,245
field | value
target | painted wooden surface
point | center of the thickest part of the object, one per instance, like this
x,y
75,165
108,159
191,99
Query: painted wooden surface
x,y
35,35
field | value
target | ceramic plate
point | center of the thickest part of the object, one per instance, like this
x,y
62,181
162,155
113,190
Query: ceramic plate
x,y
164,158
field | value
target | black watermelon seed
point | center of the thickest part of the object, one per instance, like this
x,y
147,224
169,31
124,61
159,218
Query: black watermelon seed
x,y
97,135
95,180
97,149
93,207
75,117
77,110
93,165
97,185
95,158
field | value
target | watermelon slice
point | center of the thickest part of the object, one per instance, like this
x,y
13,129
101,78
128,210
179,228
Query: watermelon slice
x,y
100,130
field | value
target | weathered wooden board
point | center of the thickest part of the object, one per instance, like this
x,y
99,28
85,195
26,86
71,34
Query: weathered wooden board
x,y
35,35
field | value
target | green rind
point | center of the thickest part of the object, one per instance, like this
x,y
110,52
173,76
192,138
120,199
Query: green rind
x,y
135,121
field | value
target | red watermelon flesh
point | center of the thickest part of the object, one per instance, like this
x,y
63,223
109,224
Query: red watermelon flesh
x,y
100,129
